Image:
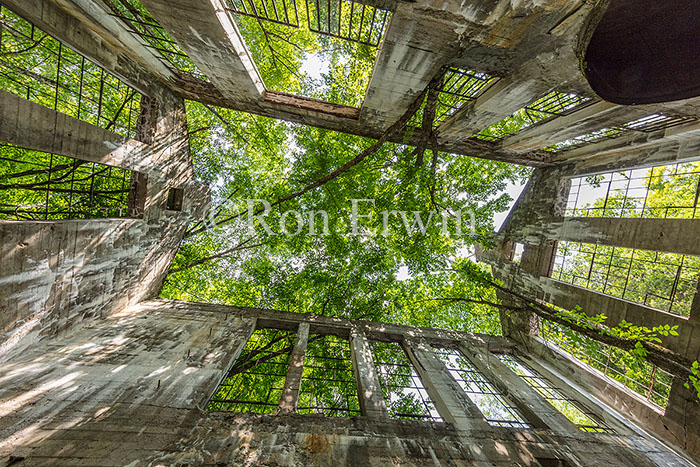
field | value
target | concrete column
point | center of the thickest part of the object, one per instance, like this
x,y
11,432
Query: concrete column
x,y
537,411
449,398
292,384
369,390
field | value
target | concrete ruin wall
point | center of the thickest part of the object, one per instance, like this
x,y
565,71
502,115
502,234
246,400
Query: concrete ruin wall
x,y
538,222
55,273
128,389
91,377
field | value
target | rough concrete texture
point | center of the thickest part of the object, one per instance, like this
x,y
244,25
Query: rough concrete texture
x,y
56,272
90,377
128,389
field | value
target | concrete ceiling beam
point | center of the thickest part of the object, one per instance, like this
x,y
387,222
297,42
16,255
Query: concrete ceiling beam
x,y
209,36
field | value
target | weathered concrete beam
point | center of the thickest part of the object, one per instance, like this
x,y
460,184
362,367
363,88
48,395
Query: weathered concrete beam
x,y
538,412
605,389
292,383
637,149
667,235
449,398
165,159
369,390
580,122
210,37
592,303
591,118
85,26
345,119
501,100
532,47
415,47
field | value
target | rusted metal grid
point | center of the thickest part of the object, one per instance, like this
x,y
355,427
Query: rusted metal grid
x,y
642,377
347,20
493,404
664,281
36,185
282,12
646,124
459,87
256,380
638,193
403,390
583,418
142,24
328,382
37,67
554,104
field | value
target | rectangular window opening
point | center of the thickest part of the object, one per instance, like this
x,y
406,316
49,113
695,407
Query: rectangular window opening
x,y
570,408
256,380
328,384
176,197
37,67
493,404
518,249
403,390
306,49
665,281
660,192
36,185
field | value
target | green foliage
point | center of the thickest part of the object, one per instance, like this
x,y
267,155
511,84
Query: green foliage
x,y
35,185
694,378
337,274
37,67
627,367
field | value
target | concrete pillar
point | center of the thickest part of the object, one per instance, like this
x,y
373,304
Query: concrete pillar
x,y
369,390
538,412
292,384
450,400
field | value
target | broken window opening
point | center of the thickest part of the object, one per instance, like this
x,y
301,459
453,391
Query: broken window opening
x,y
664,281
326,52
638,193
36,185
256,380
403,390
642,377
37,67
517,253
555,104
176,197
583,418
492,403
328,384
647,124
458,88
142,24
